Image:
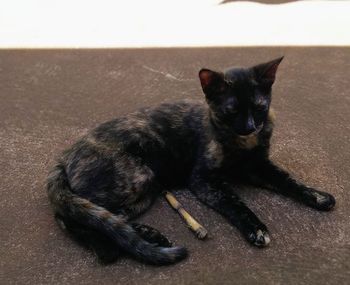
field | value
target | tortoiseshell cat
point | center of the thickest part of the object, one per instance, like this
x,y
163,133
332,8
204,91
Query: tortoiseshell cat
x,y
115,172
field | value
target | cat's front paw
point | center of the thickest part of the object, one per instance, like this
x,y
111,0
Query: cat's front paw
x,y
259,237
320,200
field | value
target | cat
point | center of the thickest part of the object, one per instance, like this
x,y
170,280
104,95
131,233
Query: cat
x,y
115,172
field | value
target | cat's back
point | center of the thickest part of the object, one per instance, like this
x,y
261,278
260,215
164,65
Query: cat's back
x,y
152,124
145,129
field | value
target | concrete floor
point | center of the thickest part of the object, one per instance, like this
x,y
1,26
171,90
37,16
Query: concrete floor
x,y
49,98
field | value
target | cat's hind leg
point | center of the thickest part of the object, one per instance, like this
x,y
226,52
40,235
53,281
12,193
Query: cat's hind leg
x,y
102,246
148,233
139,207
126,188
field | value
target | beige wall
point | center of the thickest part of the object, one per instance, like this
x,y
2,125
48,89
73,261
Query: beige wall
x,y
159,23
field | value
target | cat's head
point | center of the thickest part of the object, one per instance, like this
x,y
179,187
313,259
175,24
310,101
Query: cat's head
x,y
239,98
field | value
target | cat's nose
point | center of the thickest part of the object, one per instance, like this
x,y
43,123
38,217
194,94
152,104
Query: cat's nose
x,y
248,128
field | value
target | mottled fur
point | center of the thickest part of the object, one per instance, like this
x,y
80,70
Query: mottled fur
x,y
115,172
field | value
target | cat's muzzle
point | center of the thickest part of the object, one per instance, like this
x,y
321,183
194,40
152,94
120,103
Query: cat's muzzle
x,y
257,130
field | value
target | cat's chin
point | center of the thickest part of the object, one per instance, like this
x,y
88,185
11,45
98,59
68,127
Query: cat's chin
x,y
258,130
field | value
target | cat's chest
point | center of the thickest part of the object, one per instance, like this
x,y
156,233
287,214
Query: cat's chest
x,y
235,156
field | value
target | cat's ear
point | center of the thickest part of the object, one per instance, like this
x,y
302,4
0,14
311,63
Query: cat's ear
x,y
265,73
212,82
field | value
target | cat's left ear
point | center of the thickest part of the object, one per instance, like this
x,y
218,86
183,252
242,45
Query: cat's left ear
x,y
265,73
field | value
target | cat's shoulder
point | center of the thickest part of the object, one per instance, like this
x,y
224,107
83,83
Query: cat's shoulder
x,y
176,110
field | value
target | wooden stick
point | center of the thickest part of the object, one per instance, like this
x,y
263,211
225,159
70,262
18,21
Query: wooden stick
x,y
197,228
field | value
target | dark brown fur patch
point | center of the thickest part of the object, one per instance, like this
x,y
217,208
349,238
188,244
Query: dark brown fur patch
x,y
105,215
88,205
84,203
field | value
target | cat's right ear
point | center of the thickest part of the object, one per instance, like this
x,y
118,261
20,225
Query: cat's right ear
x,y
212,82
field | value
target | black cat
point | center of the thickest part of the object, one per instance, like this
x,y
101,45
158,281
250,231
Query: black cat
x,y
115,172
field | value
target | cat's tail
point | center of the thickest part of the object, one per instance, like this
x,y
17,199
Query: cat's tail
x,y
68,204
